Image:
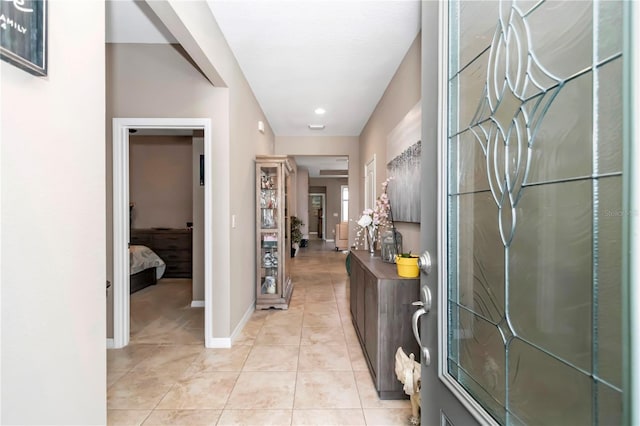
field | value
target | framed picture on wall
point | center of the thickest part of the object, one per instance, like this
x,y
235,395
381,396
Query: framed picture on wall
x,y
404,151
23,34
201,170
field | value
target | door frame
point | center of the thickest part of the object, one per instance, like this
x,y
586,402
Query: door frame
x,y
369,198
631,220
441,395
121,231
462,395
324,212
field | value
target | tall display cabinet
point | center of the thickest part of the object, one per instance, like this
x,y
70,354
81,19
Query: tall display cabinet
x,y
273,243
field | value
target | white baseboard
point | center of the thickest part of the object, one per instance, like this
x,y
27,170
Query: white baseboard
x,y
243,321
330,241
110,344
197,303
226,342
218,342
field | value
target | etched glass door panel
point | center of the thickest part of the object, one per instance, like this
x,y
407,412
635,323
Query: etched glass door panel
x,y
534,206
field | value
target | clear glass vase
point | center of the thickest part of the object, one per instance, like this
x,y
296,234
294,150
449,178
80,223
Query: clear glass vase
x,y
372,233
391,245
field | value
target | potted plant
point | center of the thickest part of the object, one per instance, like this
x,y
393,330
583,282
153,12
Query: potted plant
x,y
296,235
407,265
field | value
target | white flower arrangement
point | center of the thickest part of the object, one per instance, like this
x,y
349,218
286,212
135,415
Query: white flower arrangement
x,y
371,219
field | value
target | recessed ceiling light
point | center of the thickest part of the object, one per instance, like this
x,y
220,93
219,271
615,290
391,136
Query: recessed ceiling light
x,y
316,126
320,111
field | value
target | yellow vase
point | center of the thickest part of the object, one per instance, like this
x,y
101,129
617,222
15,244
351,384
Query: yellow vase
x,y
407,266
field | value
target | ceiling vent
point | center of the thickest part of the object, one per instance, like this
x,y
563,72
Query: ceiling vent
x,y
334,172
316,126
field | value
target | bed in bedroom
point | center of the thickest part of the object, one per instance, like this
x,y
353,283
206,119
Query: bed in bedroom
x,y
146,268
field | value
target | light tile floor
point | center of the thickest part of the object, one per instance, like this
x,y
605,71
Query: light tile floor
x,y
302,366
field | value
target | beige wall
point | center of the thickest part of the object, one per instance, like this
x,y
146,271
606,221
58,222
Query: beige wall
x,y
197,277
160,180
194,26
302,195
332,201
400,96
53,220
157,81
330,146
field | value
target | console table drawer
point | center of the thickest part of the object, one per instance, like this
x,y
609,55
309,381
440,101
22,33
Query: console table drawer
x,y
173,241
178,269
174,246
142,239
174,255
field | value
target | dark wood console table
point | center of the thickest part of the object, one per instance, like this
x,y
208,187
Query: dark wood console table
x,y
381,312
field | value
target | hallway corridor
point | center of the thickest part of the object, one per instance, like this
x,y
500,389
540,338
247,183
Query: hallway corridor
x,y
302,366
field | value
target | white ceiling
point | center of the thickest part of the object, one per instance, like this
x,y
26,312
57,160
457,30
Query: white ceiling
x,y
300,55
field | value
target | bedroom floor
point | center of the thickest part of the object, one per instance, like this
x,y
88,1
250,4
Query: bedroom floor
x,y
162,314
302,366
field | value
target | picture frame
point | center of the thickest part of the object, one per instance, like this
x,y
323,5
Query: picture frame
x,y
23,34
404,152
201,170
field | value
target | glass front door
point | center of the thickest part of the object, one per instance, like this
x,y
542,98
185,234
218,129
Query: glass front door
x,y
531,287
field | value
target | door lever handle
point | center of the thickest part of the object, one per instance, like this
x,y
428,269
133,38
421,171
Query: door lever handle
x,y
426,357
425,307
414,323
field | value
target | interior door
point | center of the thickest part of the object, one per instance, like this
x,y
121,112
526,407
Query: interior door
x,y
523,153
317,221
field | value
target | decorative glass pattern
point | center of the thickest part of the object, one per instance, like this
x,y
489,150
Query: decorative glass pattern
x,y
534,206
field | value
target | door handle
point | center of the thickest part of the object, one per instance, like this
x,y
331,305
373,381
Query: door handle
x,y
424,262
425,307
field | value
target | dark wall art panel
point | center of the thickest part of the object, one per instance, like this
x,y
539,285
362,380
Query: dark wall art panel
x,y
404,187
23,34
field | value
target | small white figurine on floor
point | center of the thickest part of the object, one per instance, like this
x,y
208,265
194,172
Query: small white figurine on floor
x,y
408,372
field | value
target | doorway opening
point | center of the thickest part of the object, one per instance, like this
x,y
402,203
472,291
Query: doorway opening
x,y
321,179
317,220
122,224
166,204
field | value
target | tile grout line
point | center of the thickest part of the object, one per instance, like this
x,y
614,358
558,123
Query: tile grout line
x,y
226,402
295,382
337,285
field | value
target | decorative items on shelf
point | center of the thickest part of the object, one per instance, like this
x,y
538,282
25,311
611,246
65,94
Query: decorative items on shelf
x,y
269,263
268,199
270,284
269,219
270,260
391,242
267,182
269,240
372,219
407,265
